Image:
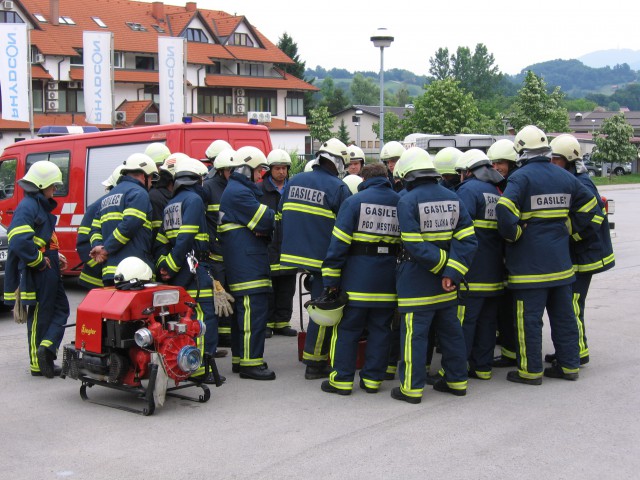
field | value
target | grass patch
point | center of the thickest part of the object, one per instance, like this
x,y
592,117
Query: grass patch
x,y
617,180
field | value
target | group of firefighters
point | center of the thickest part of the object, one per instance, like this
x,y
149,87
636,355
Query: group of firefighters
x,y
408,253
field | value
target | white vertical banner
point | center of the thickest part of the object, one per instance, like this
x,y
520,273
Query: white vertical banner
x,y
14,71
171,59
97,60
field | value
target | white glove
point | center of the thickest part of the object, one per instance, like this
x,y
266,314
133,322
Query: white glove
x,y
222,300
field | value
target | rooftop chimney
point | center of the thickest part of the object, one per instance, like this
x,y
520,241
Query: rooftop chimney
x,y
191,6
54,12
157,11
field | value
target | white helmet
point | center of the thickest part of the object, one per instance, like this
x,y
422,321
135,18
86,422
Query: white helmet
x,y
414,163
502,150
334,151
566,146
139,162
216,147
132,272
352,182
247,159
224,159
355,153
170,162
530,138
278,157
41,175
309,166
446,159
391,151
189,171
327,310
472,159
112,181
158,152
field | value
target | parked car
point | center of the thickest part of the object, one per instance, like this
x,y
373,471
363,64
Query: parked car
x,y
593,169
4,248
615,168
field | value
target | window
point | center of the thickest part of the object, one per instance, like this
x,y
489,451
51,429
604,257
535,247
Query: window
x,y
40,18
118,59
158,28
196,35
37,94
295,104
70,99
10,17
99,22
212,69
136,27
7,178
67,20
77,59
152,92
241,39
61,159
217,101
262,101
255,69
145,63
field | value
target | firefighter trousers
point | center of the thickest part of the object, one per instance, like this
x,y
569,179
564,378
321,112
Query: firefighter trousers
x,y
414,333
318,339
248,329
209,342
46,319
506,325
479,327
344,346
529,307
281,300
580,290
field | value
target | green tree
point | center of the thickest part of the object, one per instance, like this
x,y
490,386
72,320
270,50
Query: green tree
x,y
364,90
534,106
394,128
445,109
440,64
338,101
612,141
343,133
297,69
613,107
320,124
579,105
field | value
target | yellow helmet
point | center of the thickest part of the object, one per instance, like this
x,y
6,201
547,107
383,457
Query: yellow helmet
x,y
502,150
445,160
215,148
530,138
391,150
352,182
414,163
41,175
327,310
566,146
158,152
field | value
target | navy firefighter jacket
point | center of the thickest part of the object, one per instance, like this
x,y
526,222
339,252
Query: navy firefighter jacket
x,y
361,259
542,206
309,206
245,231
439,241
486,274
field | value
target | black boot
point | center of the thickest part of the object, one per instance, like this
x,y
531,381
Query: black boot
x,y
515,377
314,372
398,395
442,386
285,331
45,361
364,387
260,372
504,362
268,332
555,371
327,387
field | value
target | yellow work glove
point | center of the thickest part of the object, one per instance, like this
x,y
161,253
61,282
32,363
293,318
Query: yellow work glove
x,y
221,300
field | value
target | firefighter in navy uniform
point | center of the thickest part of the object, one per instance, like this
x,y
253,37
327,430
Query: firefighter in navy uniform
x,y
308,209
592,254
389,155
245,231
438,247
503,158
283,279
356,160
212,152
122,226
542,206
91,275
478,309
33,264
361,261
445,162
182,249
214,184
162,190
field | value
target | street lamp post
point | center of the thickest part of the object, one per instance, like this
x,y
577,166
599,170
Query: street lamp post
x,y
356,119
382,39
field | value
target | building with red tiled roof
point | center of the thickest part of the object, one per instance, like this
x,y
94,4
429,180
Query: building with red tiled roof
x,y
231,67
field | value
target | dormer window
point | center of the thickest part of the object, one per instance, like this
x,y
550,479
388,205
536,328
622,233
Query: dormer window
x,y
196,35
66,21
136,27
158,28
40,18
241,39
99,22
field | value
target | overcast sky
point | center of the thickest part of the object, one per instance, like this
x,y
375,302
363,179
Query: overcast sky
x,y
336,33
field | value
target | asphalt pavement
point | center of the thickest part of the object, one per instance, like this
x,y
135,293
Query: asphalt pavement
x,y
289,428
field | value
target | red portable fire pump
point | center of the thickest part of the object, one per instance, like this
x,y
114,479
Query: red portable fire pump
x,y
125,336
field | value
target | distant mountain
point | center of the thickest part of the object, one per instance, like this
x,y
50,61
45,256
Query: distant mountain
x,y
612,57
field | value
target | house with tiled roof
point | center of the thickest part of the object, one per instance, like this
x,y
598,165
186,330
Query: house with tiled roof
x,y
231,67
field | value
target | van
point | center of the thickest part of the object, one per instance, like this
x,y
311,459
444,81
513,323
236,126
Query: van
x,y
87,159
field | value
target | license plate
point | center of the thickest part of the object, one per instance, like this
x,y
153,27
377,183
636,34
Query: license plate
x,y
3,255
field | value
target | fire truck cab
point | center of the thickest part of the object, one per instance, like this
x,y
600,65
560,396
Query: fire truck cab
x,y
87,159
